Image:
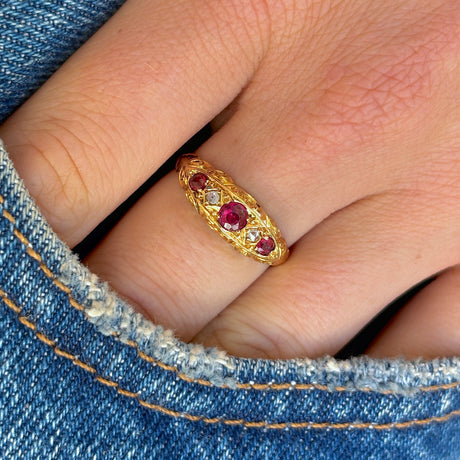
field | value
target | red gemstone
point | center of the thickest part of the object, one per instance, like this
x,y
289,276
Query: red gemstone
x,y
198,181
265,246
233,216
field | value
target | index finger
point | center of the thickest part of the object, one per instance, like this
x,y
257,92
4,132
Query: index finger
x,y
128,99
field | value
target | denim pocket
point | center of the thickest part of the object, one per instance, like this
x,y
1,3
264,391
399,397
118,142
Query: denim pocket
x,y
80,359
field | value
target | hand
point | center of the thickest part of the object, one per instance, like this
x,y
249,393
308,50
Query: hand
x,y
344,122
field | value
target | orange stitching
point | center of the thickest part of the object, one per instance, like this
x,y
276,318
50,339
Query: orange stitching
x,y
83,365
27,323
197,418
130,394
60,352
12,305
106,381
253,386
49,342
9,216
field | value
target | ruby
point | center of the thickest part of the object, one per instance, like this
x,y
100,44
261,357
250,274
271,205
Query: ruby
x,y
265,246
233,216
198,181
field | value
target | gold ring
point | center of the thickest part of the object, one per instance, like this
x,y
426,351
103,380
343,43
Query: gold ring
x,y
231,211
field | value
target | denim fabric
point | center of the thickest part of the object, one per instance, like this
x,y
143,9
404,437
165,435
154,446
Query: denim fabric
x,y
36,36
84,376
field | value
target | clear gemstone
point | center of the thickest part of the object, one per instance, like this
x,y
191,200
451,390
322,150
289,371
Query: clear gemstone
x,y
233,216
265,246
252,235
198,181
213,197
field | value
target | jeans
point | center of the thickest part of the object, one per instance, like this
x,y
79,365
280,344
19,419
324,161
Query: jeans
x,y
84,376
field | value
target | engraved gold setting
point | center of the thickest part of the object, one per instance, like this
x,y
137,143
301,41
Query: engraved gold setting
x,y
218,190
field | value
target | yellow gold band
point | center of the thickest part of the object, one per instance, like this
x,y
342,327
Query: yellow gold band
x,y
231,211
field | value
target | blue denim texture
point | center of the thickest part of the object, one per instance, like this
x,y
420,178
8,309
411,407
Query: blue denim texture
x,y
36,36
84,376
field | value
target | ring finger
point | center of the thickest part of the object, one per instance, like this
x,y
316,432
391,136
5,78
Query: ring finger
x,y
167,261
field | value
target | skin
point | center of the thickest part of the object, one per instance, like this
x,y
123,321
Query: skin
x,y
340,117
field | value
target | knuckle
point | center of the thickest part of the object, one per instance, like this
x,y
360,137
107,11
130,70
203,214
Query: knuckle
x,y
391,79
248,24
56,180
317,306
300,324
366,82
248,339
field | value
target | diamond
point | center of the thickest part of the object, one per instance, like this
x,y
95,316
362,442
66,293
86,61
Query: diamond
x,y
265,246
233,216
213,197
252,234
198,181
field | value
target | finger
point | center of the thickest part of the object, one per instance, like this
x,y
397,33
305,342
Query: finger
x,y
130,97
302,150
176,270
166,260
428,326
338,278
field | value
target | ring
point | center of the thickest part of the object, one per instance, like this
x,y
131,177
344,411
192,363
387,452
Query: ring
x,y
231,211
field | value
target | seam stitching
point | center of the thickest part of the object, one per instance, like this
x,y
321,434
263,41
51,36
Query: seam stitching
x,y
199,418
253,386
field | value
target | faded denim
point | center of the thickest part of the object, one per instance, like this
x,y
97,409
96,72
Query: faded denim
x,y
36,36
84,376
